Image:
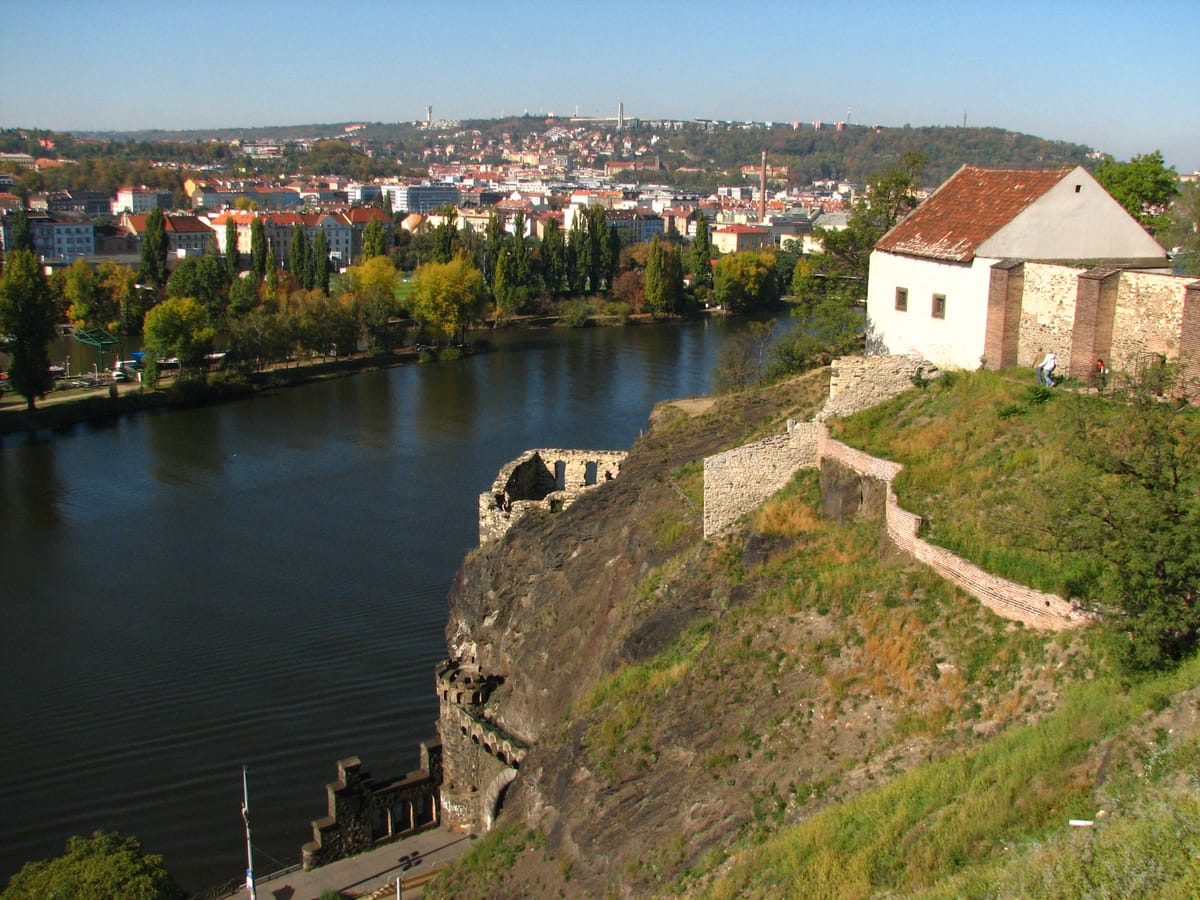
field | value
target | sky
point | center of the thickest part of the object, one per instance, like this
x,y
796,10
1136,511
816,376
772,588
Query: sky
x,y
1121,77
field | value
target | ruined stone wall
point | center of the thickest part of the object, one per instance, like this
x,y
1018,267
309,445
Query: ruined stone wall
x,y
742,479
548,479
1047,313
363,812
860,382
1148,317
479,758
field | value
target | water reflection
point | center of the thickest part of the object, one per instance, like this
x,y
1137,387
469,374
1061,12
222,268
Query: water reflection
x,y
264,581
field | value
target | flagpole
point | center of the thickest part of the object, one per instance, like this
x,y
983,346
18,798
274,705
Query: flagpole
x,y
249,853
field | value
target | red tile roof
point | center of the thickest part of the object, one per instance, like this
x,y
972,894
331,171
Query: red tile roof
x,y
967,210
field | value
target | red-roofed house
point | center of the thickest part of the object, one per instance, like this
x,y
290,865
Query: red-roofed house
x,y
946,282
737,238
186,235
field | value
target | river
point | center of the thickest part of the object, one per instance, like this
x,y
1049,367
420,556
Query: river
x,y
263,583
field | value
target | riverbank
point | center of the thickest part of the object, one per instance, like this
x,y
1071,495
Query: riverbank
x,y
108,402
63,409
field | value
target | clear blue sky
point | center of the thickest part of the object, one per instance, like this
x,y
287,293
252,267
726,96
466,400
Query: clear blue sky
x,y
1118,76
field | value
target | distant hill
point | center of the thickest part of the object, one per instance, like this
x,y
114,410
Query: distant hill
x,y
855,153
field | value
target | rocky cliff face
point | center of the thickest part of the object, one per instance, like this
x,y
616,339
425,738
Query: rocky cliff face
x,y
675,694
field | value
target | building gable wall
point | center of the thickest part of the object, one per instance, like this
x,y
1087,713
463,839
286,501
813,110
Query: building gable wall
x,y
1074,220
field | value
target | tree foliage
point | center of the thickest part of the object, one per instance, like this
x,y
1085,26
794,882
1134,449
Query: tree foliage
x,y
448,297
231,249
153,270
744,282
374,239
180,327
203,279
321,264
258,248
100,867
1135,510
843,264
1144,185
701,254
27,324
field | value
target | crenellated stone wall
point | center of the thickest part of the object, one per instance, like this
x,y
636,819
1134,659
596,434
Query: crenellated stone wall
x,y
543,479
481,759
363,812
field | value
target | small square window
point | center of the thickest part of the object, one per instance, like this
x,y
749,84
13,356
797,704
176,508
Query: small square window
x,y
901,299
939,306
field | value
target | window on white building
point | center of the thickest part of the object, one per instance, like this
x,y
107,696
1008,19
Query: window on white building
x,y
901,299
939,306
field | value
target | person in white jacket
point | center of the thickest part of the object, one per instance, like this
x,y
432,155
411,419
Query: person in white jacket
x,y
1046,369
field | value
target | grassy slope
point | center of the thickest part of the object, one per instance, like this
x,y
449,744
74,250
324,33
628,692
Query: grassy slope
x,y
866,729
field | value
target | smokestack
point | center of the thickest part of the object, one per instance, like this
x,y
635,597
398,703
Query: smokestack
x,y
762,190
621,116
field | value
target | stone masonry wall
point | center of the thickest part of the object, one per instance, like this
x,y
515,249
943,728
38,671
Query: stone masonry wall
x,y
531,481
1047,314
860,382
739,480
1003,597
742,479
1148,318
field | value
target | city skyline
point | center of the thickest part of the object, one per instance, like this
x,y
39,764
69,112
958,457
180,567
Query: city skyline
x,y
1102,74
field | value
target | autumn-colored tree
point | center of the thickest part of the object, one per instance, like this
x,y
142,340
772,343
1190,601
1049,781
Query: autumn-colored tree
x,y
448,297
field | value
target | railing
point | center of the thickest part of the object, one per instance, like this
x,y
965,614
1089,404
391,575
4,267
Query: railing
x,y
234,886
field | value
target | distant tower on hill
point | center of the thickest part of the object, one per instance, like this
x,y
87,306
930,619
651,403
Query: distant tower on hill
x,y
621,116
429,117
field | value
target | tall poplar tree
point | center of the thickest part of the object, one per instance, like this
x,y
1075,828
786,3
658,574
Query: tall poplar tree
x,y
701,253
298,258
21,235
374,240
495,239
258,248
672,273
655,301
597,235
153,270
577,255
27,318
271,275
554,256
321,266
231,249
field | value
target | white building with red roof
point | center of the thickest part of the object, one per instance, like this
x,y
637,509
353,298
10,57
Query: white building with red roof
x,y
946,282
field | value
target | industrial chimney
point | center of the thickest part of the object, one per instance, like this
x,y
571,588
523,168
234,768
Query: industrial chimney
x,y
762,190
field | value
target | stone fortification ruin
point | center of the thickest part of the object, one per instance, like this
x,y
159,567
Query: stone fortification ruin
x,y
549,480
465,774
854,483
364,812
483,758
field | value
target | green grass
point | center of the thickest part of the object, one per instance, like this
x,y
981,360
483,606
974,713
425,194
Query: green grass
x,y
483,868
953,821
985,459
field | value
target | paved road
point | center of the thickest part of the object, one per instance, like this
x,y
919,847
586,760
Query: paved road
x,y
412,859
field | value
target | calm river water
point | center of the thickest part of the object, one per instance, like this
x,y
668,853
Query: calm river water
x,y
264,583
